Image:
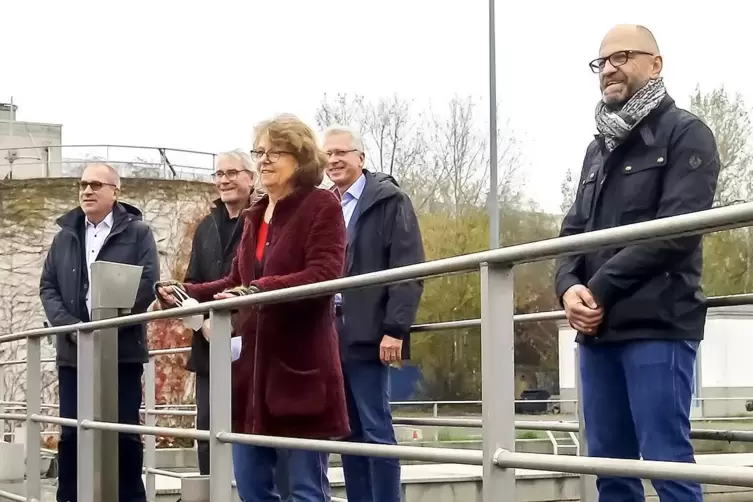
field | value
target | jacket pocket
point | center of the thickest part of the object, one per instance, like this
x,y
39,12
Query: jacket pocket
x,y
641,180
294,393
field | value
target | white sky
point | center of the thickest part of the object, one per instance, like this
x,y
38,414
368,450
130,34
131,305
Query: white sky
x,y
163,74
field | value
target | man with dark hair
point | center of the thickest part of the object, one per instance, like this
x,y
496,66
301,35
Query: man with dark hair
x,y
101,229
639,311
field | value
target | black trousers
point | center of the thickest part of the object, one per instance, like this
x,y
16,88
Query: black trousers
x,y
203,403
131,459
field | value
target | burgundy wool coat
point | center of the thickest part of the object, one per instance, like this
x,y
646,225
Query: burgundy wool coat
x,y
288,380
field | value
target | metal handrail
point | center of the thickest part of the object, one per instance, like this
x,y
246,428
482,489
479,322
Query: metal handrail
x,y
496,285
131,147
711,220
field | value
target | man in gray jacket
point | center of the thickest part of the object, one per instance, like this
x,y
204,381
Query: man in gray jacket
x,y
373,323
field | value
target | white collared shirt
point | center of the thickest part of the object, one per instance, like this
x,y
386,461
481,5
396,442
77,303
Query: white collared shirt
x,y
95,238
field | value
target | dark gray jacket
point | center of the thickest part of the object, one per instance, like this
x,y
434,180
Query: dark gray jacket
x,y
383,233
65,277
209,262
667,166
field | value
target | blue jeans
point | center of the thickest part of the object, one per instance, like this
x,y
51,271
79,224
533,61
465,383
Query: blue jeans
x,y
367,391
636,403
255,466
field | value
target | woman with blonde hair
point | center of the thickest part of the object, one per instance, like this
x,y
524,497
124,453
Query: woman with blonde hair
x,y
288,380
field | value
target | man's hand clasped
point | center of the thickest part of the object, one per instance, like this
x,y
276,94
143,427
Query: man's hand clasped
x,y
390,350
581,309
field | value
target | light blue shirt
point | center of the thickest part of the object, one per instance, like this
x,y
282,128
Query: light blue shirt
x,y
349,201
350,198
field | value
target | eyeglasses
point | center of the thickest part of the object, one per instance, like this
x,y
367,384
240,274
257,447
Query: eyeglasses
x,y
617,59
272,155
339,153
230,174
95,185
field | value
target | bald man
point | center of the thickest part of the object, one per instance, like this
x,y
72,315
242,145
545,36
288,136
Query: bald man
x,y
639,311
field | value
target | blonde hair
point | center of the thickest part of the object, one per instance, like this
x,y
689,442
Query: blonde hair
x,y
289,132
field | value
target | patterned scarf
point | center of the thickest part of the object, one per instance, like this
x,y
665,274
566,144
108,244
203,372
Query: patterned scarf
x,y
616,125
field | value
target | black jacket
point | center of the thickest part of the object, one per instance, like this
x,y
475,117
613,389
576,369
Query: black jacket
x,y
209,262
667,166
383,233
65,278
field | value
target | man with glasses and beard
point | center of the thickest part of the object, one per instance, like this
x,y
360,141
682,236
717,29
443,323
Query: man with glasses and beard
x,y
639,311
104,229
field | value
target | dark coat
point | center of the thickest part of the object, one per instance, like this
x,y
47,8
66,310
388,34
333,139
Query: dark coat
x,y
383,233
667,166
65,278
209,262
288,380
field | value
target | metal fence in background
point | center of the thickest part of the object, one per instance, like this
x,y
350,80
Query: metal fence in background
x,y
98,475
69,161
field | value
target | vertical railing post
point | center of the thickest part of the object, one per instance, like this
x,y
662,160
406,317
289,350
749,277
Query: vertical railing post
x,y
150,453
588,492
89,457
113,291
220,361
2,398
498,378
435,413
106,399
33,407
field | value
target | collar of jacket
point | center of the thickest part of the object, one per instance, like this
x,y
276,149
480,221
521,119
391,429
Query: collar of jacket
x,y
122,212
647,128
220,209
284,209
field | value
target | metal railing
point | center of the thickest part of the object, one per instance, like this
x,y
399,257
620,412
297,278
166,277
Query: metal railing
x,y
60,161
498,456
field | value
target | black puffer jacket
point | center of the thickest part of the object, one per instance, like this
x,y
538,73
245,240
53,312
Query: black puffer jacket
x,y
65,278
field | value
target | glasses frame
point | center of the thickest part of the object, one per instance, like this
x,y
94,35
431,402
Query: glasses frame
x,y
272,155
597,65
96,186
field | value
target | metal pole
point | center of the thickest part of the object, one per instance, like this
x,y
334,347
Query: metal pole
x,y
107,387
498,378
220,361
588,492
89,457
113,288
150,446
33,407
493,181
2,406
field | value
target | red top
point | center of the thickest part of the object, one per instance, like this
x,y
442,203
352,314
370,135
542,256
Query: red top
x,y
261,240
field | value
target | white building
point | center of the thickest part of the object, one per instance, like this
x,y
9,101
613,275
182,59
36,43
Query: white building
x,y
724,371
25,147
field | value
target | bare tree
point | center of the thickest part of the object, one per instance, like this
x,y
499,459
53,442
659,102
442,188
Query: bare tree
x,y
729,119
568,190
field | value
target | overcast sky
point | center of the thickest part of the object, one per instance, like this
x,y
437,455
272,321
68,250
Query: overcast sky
x,y
165,74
